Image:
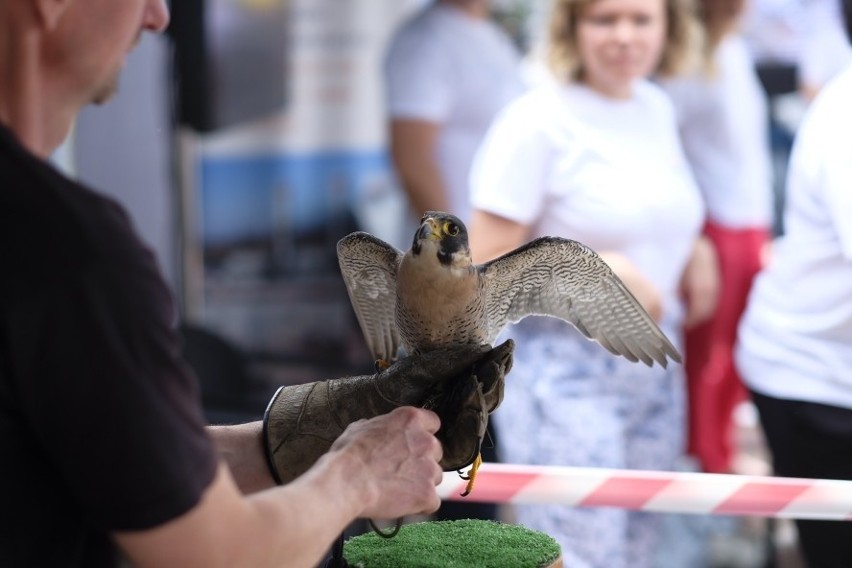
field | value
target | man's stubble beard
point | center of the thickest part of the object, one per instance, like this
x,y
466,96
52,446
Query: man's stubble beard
x,y
106,91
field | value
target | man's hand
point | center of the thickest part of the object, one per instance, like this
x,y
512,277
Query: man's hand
x,y
382,468
462,384
396,457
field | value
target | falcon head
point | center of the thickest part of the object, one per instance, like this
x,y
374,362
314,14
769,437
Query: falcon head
x,y
443,235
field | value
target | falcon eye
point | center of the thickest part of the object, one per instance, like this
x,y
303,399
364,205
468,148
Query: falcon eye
x,y
451,228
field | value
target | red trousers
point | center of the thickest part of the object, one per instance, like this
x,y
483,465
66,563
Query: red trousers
x,y
714,387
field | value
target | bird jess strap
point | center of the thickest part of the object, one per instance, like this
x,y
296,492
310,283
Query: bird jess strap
x,y
460,384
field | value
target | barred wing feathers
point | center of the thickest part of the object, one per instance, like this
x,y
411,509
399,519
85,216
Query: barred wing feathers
x,y
565,279
369,267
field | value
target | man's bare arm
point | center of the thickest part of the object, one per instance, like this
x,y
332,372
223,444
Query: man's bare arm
x,y
381,468
241,446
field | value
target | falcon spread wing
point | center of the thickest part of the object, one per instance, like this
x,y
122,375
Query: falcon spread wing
x,y
565,279
369,267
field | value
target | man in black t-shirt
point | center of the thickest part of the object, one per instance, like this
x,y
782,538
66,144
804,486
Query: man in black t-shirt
x,y
104,449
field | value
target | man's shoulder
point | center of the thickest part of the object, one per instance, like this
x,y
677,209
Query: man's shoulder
x,y
52,224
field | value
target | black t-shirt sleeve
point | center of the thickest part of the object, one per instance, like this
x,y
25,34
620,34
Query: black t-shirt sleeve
x,y
106,393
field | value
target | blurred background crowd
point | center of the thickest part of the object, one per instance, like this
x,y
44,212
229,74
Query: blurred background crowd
x,y
256,133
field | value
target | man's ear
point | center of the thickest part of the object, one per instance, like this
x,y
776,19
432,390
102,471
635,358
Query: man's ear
x,y
49,13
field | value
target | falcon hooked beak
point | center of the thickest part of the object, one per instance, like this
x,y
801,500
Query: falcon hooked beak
x,y
430,229
447,234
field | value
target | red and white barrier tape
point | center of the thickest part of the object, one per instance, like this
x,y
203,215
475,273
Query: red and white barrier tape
x,y
660,491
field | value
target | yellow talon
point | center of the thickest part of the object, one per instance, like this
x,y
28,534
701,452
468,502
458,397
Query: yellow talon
x,y
381,365
471,475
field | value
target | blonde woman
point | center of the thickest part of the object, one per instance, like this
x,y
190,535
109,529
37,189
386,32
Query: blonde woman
x,y
594,155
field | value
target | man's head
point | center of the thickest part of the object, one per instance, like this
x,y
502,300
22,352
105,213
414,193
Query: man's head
x,y
59,55
847,17
88,40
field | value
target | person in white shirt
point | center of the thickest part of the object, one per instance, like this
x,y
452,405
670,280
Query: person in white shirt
x,y
448,71
724,126
795,341
594,155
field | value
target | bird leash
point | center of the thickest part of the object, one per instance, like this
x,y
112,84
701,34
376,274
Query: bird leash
x,y
390,534
338,561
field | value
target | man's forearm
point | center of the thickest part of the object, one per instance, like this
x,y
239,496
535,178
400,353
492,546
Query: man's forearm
x,y
241,446
292,525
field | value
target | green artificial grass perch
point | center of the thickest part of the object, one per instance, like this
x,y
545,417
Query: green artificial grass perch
x,y
454,544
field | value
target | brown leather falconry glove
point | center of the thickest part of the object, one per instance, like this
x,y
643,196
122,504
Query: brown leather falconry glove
x,y
461,384
464,404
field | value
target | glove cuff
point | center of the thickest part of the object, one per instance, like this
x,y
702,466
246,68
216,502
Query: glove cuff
x,y
301,422
267,445
299,426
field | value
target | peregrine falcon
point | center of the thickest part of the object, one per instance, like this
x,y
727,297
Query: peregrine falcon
x,y
433,295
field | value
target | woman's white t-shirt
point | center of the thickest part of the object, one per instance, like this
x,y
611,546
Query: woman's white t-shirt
x,y
608,173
